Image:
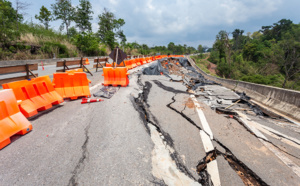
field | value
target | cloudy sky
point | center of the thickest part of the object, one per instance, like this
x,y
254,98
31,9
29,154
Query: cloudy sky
x,y
191,22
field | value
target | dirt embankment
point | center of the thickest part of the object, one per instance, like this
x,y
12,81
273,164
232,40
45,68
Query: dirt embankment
x,y
212,68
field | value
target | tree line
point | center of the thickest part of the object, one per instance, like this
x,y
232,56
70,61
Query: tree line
x,y
109,33
269,56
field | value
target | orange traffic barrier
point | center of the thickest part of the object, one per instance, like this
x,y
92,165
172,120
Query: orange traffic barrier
x,y
121,77
128,64
76,70
71,85
133,64
137,61
31,100
115,76
149,60
45,89
143,61
12,121
109,76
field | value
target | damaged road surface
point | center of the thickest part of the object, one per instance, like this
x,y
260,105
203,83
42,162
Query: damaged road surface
x,y
170,126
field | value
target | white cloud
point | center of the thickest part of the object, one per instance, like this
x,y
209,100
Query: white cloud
x,y
161,21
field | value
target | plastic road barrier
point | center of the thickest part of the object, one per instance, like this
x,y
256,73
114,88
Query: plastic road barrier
x,y
148,59
45,89
12,121
129,64
109,76
32,101
133,64
76,70
141,60
137,62
144,60
71,85
115,77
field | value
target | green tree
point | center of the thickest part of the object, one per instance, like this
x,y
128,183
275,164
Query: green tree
x,y
72,32
84,16
237,37
276,30
20,7
223,46
286,54
110,29
171,46
63,10
200,48
44,17
8,20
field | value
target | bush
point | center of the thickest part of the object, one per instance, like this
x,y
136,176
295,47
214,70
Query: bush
x,y
88,44
55,47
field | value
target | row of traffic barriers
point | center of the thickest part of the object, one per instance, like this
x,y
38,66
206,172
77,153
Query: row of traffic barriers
x,y
37,94
119,76
23,99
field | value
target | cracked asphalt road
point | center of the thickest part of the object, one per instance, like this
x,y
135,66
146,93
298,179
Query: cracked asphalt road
x,y
147,134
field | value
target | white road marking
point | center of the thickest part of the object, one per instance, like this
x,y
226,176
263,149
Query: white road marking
x,y
95,86
208,146
206,137
203,120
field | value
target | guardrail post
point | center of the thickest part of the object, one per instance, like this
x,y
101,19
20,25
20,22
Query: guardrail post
x,y
27,71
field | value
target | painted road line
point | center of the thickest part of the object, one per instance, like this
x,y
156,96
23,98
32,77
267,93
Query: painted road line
x,y
203,120
251,126
95,86
212,167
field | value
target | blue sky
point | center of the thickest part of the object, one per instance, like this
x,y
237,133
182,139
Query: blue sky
x,y
191,22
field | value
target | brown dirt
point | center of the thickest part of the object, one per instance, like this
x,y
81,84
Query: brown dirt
x,y
174,67
212,68
189,103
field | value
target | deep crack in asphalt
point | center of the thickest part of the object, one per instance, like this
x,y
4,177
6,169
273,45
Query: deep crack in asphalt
x,y
141,105
244,172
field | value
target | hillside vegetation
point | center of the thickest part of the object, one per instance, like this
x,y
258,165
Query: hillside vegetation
x,y
270,56
23,40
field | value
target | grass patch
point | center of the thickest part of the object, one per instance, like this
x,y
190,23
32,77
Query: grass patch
x,y
202,63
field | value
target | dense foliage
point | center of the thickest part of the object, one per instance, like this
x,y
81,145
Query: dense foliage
x,y
269,56
135,48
